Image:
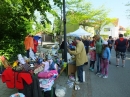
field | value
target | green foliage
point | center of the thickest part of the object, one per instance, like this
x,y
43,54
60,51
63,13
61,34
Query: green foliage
x,y
104,36
127,32
78,11
12,28
82,12
58,26
16,20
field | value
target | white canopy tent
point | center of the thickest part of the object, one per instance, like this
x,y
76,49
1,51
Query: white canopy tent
x,y
79,32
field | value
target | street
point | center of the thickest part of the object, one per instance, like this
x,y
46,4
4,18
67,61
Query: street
x,y
117,84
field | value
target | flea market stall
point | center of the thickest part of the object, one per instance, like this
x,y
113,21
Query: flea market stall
x,y
33,76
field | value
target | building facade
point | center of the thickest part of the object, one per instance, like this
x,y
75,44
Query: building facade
x,y
113,29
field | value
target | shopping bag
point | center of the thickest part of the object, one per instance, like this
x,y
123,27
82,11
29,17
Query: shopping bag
x,y
21,59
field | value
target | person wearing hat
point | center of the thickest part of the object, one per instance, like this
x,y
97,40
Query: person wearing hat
x,y
105,60
81,57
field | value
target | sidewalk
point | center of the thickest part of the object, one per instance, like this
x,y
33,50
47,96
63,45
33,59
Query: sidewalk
x,y
118,82
4,91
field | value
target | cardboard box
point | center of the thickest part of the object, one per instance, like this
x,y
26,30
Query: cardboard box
x,y
71,69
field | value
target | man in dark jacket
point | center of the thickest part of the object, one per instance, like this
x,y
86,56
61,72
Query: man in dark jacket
x,y
86,44
121,45
110,45
110,42
62,49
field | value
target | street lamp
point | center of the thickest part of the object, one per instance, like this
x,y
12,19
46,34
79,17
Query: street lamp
x,y
64,23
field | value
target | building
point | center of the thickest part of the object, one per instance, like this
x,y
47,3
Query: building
x,y
113,29
122,30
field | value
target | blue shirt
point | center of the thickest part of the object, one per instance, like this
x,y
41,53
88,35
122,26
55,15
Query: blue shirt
x,y
106,53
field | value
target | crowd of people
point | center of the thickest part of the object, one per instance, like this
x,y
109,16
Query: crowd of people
x,y
97,51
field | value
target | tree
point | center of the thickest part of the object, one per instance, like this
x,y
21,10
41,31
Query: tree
x,y
57,26
82,13
16,20
78,11
127,33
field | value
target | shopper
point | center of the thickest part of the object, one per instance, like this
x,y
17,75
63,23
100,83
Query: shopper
x,y
105,60
110,42
62,48
81,57
121,45
92,54
86,42
110,45
98,45
92,43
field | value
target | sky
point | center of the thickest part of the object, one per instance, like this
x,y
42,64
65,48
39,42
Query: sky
x,y
117,9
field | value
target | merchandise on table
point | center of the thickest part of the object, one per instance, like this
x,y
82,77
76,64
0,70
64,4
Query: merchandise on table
x,y
29,76
4,62
17,95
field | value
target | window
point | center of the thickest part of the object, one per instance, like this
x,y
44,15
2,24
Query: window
x,y
106,29
121,29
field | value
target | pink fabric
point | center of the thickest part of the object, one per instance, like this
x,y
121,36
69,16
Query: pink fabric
x,y
104,66
54,71
48,74
92,55
45,75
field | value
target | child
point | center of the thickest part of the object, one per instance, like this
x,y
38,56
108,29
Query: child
x,y
105,60
92,54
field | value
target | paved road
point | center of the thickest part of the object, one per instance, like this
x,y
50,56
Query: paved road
x,y
117,84
4,91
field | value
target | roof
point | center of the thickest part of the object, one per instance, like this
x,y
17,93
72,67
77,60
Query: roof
x,y
115,21
121,28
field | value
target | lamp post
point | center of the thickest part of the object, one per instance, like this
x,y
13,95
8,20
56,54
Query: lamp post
x,y
64,23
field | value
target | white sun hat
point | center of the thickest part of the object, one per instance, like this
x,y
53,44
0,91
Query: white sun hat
x,y
105,42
